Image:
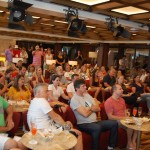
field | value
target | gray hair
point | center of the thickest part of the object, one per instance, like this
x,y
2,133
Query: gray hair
x,y
39,86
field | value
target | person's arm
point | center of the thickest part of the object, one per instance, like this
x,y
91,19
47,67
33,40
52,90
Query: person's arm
x,y
84,111
58,119
64,96
106,84
113,117
51,96
9,122
70,94
33,52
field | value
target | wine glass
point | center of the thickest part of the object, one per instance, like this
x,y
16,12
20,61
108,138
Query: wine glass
x,y
128,112
139,111
33,131
134,111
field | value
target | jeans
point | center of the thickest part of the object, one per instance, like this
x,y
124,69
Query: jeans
x,y
95,129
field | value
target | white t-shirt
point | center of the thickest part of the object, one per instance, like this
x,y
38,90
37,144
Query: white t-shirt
x,y
56,92
70,88
39,109
68,75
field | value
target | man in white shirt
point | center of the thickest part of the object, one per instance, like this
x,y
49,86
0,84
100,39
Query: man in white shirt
x,y
70,88
41,110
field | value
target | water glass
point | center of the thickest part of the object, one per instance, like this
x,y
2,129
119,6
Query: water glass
x,y
66,128
139,111
128,112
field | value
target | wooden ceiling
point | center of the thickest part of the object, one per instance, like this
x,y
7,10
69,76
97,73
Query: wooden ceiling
x,y
47,28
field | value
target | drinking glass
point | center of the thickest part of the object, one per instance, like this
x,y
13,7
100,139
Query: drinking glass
x,y
66,128
33,131
139,111
134,111
128,112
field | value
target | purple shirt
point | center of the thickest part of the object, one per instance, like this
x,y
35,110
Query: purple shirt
x,y
8,55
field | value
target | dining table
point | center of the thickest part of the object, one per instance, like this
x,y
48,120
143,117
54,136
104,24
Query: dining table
x,y
19,106
131,123
61,141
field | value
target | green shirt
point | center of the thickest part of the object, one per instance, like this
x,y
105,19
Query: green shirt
x,y
3,106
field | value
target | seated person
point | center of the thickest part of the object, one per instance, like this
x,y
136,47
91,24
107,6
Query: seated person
x,y
84,74
7,125
42,111
139,89
63,80
55,91
85,108
68,72
70,88
38,77
115,109
19,91
129,97
109,80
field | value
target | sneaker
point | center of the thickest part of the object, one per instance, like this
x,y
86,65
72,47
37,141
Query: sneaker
x,y
110,148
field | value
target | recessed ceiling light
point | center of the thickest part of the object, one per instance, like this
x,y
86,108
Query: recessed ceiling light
x,y
61,21
46,24
35,17
134,34
90,2
129,10
93,27
1,11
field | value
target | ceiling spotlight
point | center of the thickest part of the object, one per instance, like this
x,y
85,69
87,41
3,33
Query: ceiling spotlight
x,y
117,29
18,10
17,14
75,24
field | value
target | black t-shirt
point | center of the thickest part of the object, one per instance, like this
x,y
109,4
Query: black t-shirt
x,y
110,80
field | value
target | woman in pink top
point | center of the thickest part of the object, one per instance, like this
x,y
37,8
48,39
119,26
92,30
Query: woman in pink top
x,y
37,56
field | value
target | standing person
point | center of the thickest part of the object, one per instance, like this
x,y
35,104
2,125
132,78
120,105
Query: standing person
x,y
9,54
5,126
44,114
60,60
24,55
115,109
85,108
37,56
79,58
65,56
30,56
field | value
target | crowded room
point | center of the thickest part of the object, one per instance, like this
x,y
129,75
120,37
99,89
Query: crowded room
x,y
74,75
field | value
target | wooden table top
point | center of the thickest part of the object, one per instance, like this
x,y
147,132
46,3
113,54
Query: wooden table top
x,y
60,141
144,127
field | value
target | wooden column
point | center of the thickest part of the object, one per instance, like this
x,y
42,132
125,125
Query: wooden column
x,y
120,54
105,54
57,48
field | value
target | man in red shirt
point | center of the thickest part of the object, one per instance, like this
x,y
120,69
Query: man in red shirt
x,y
115,108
